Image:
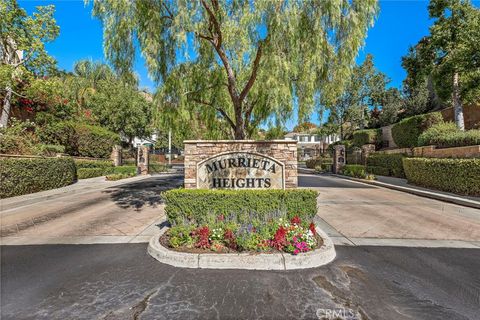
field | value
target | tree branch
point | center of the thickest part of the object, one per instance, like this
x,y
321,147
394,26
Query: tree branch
x,y
248,113
170,15
222,112
253,75
217,44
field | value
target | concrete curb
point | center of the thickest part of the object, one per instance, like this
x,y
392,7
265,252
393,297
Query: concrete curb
x,y
261,261
422,193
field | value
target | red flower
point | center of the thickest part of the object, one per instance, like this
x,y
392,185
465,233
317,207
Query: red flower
x,y
221,217
29,109
312,228
296,220
202,235
230,240
280,238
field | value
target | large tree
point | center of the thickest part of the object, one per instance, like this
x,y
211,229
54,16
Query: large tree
x,y
364,90
22,47
447,61
241,60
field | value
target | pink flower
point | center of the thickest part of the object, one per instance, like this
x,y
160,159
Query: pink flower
x,y
296,251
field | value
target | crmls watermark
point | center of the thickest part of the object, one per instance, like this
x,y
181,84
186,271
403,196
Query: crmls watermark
x,y
338,313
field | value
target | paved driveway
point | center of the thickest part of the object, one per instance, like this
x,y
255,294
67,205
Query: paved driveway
x,y
362,214
351,213
127,212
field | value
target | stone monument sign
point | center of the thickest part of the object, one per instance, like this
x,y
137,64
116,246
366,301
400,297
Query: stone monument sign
x,y
240,164
240,170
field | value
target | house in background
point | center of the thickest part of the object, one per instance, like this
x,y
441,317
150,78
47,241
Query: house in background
x,y
311,145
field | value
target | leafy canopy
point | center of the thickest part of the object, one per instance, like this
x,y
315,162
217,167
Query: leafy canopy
x,y
238,60
453,46
28,35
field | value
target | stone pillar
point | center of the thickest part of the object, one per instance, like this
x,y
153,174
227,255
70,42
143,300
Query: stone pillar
x,y
366,150
142,160
338,158
117,156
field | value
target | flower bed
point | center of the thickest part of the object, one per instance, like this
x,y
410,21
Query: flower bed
x,y
229,236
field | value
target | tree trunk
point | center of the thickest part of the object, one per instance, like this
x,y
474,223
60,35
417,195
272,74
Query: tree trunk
x,y
6,108
341,130
457,105
239,122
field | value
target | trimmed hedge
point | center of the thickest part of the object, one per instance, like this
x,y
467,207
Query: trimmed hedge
x,y
23,176
81,163
406,132
380,171
447,135
92,172
201,206
460,176
85,173
367,136
119,176
125,170
386,164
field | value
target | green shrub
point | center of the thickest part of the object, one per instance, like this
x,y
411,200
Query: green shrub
x,y
125,170
92,172
368,136
48,149
81,163
95,141
313,163
85,173
347,143
59,133
355,171
79,139
23,176
391,162
158,168
17,138
119,176
381,171
326,167
460,176
201,206
446,135
406,132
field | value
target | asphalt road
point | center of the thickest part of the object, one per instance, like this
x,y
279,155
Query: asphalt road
x,y
120,281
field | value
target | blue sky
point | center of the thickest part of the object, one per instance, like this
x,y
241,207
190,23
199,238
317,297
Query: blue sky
x,y
399,25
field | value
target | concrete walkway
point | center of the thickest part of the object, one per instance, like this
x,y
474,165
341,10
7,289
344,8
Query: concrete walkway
x,y
94,212
354,213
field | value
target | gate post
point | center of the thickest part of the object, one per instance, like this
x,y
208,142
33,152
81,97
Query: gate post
x,y
142,160
366,150
338,158
117,155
